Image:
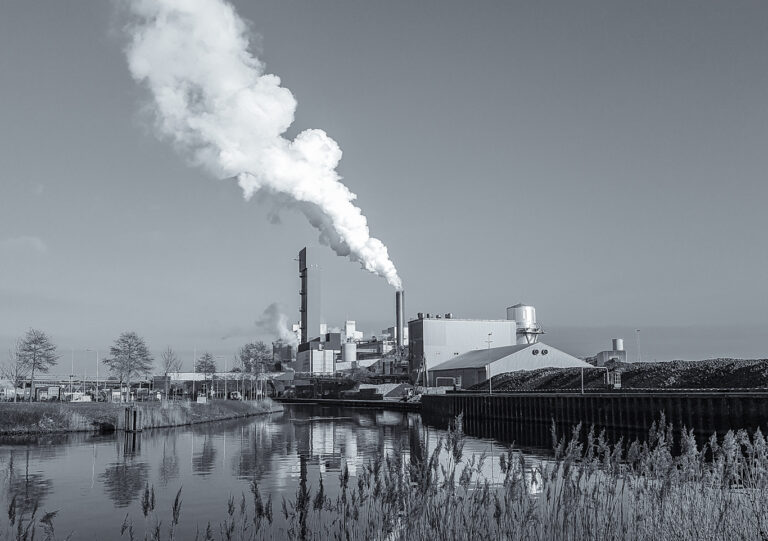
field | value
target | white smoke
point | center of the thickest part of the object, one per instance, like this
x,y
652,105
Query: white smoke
x,y
213,99
274,322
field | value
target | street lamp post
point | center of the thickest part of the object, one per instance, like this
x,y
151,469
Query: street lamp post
x,y
490,376
71,372
97,371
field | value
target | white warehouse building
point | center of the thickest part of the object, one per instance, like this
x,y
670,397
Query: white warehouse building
x,y
477,366
436,340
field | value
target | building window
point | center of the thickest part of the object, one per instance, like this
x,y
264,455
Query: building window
x,y
535,351
544,351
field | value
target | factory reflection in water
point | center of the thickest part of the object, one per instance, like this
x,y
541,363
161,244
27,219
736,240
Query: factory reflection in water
x,y
211,462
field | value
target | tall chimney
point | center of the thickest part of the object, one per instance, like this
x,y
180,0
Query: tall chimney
x,y
311,296
399,317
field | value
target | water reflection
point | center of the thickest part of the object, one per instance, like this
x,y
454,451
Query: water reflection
x,y
256,446
203,461
131,444
28,487
168,469
285,453
124,481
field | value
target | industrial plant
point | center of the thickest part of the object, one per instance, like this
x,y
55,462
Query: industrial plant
x,y
430,350
326,352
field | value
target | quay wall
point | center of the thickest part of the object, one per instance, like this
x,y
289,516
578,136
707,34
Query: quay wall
x,y
395,405
527,418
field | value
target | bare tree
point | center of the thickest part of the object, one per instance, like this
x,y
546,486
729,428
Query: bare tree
x,y
38,354
170,363
14,369
129,357
254,354
206,365
253,357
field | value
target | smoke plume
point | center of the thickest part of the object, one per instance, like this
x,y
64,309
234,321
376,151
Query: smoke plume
x,y
274,322
213,99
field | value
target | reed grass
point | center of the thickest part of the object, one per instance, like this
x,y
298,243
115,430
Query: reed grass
x,y
589,490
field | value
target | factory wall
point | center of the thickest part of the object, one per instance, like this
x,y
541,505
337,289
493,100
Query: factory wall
x,y
602,358
464,378
616,353
436,340
316,361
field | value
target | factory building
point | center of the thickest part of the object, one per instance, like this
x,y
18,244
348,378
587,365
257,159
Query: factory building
x,y
318,356
391,334
478,365
434,339
616,353
321,352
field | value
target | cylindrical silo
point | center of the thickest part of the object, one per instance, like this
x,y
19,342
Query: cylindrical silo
x,y
349,352
618,344
525,316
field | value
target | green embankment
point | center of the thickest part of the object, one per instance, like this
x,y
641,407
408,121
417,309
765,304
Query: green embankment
x,y
41,417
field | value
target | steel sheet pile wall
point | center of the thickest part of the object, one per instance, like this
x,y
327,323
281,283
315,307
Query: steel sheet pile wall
x,y
527,418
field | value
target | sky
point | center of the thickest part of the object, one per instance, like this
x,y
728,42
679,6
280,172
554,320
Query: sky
x,y
603,161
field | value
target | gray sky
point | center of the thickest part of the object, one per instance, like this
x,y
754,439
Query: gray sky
x,y
604,161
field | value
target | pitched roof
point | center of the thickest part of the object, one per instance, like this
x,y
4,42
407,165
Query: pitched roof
x,y
479,358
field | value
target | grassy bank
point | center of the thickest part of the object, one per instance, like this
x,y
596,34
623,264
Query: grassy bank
x,y
42,417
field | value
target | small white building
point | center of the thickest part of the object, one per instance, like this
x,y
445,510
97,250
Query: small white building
x,y
478,365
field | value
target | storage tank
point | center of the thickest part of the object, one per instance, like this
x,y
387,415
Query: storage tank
x,y
349,352
524,315
618,344
525,320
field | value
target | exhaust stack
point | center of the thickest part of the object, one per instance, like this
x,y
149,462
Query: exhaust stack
x,y
399,318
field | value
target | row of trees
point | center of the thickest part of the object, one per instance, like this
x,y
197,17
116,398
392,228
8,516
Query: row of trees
x,y
252,358
128,360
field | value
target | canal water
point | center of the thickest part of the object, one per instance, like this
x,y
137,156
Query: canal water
x,y
94,481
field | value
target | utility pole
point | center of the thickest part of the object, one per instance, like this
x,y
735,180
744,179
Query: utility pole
x,y
96,394
490,377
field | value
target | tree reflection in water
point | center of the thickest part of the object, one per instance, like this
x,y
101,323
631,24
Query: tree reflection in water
x,y
169,462
204,461
30,489
124,481
258,444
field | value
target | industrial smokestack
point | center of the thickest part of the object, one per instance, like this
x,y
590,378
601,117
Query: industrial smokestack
x,y
399,317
